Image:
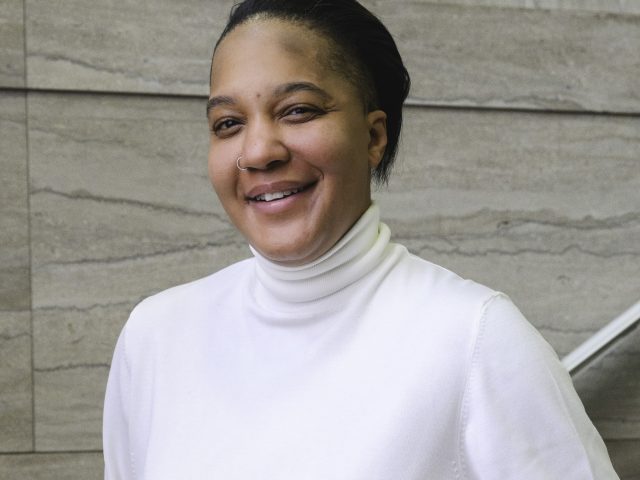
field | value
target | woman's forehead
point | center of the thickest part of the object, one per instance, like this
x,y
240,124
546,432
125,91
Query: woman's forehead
x,y
271,44
291,38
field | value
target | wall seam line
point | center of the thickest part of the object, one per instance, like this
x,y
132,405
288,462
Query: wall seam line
x,y
29,239
411,102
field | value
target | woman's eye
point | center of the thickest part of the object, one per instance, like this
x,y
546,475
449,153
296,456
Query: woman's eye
x,y
301,113
225,127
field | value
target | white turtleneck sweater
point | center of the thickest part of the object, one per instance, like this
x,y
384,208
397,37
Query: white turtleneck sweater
x,y
368,364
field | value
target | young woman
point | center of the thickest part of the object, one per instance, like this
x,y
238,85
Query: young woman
x,y
333,353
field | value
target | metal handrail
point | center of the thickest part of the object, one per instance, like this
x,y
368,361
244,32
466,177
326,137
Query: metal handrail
x,y
619,327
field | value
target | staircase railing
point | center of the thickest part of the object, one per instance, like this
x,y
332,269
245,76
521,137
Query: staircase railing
x,y
617,328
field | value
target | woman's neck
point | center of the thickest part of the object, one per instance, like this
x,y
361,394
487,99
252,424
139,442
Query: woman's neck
x,y
355,254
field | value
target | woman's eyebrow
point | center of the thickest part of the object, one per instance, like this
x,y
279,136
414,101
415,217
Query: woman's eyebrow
x,y
293,87
280,91
221,100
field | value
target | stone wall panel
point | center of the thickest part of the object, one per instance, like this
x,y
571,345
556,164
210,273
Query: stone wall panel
x,y
14,217
121,208
53,466
518,58
506,58
16,422
123,45
12,73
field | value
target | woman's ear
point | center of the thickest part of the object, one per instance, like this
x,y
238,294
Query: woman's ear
x,y
377,121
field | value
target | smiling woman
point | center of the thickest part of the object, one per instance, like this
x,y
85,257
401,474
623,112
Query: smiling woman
x,y
333,353
299,128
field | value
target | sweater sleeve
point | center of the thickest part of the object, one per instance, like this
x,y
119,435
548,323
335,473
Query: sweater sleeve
x,y
115,429
521,416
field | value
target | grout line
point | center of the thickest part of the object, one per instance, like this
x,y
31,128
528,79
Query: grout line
x,y
411,102
24,43
28,181
51,452
33,383
115,93
419,103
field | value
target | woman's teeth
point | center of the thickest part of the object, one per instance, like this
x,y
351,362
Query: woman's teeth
x,y
268,197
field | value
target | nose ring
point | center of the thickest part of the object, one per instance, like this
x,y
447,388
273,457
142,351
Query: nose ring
x,y
242,169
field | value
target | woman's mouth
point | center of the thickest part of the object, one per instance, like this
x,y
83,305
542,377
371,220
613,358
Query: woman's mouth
x,y
278,195
269,197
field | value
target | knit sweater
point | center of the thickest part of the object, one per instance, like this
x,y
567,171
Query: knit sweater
x,y
367,364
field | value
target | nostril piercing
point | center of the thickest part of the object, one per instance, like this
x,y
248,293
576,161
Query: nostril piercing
x,y
242,169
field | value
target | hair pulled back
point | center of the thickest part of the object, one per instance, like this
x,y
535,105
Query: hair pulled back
x,y
366,51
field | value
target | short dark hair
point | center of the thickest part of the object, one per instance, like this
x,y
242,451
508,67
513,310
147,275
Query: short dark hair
x,y
365,53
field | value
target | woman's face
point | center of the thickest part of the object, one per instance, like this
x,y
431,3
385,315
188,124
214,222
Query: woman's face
x,y
300,129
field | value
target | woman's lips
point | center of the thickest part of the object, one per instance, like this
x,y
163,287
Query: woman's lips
x,y
282,201
269,197
277,191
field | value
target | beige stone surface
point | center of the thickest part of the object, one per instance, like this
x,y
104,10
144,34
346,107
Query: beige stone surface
x,y
608,6
121,208
16,426
14,220
68,406
12,43
52,466
517,58
120,185
123,45
508,57
542,206
148,153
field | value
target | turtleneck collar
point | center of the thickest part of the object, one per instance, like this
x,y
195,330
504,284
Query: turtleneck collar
x,y
355,254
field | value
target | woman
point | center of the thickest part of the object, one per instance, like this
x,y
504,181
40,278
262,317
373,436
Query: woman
x,y
333,353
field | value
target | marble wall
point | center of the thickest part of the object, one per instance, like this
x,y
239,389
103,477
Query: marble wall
x,y
519,167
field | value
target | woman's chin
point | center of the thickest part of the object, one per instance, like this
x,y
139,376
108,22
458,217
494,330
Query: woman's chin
x,y
285,256
289,252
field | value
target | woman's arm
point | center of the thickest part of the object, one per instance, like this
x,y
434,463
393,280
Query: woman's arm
x,y
115,432
521,416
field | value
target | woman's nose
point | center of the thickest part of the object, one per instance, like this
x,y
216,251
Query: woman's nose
x,y
263,146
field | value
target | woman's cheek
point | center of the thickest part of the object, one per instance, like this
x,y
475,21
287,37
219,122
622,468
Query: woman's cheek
x,y
325,149
218,179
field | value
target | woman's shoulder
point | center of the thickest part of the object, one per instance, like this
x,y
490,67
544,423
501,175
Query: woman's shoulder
x,y
438,285
433,304
488,318
187,300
